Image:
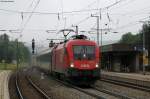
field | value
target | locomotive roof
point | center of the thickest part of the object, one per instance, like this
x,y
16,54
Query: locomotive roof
x,y
79,37
80,41
75,40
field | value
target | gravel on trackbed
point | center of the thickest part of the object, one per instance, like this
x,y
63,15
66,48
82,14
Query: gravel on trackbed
x,y
12,88
55,89
134,93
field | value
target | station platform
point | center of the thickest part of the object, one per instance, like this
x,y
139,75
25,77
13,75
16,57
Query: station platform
x,y
4,79
134,76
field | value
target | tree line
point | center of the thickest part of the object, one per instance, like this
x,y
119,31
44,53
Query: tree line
x,y
10,50
137,39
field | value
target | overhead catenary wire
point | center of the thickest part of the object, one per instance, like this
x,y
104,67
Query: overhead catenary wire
x,y
58,14
105,8
117,2
63,12
30,16
129,2
100,9
90,4
70,12
25,12
31,4
81,21
123,26
22,14
132,23
87,10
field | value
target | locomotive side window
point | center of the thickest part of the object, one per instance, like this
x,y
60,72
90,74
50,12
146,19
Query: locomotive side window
x,y
84,52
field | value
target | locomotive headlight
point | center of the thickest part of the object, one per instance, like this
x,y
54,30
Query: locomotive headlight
x,y
96,65
72,65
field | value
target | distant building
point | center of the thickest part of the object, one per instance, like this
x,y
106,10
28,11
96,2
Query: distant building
x,y
122,58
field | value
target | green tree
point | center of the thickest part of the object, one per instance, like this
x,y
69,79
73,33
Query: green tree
x,y
9,51
4,41
23,52
129,38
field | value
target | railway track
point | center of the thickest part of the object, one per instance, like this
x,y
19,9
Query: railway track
x,y
120,96
18,89
127,84
36,89
93,90
79,89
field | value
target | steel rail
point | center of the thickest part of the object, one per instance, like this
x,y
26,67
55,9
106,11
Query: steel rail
x,y
112,93
79,89
37,88
92,94
18,89
127,84
97,89
40,91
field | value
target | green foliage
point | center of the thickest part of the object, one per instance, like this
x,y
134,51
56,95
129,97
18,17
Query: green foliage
x,y
129,38
23,52
9,51
9,66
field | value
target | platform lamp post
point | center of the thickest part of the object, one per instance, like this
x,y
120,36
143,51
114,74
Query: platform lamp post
x,y
144,50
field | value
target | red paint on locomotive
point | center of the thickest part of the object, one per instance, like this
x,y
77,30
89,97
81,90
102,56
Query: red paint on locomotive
x,y
76,58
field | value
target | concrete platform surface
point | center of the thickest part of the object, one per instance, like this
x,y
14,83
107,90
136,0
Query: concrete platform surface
x,y
4,78
134,76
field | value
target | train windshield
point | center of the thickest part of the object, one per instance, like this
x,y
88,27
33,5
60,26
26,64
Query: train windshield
x,y
84,52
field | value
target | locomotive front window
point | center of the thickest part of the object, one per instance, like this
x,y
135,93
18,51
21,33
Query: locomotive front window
x,y
84,52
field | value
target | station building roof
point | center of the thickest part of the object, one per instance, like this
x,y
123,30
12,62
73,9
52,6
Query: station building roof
x,y
117,47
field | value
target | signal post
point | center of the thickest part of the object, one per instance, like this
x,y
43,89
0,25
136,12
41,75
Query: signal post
x,y
33,62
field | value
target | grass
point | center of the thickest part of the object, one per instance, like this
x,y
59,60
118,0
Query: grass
x,y
9,66
6,66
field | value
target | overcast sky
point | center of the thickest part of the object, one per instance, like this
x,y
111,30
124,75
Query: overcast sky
x,y
122,18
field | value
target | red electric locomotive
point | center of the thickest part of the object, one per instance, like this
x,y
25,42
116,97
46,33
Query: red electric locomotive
x,y
76,59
